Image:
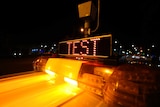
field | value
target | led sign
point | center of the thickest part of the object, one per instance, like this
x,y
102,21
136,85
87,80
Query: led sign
x,y
97,46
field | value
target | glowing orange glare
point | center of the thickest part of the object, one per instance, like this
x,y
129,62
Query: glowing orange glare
x,y
65,67
108,71
103,71
117,85
71,81
70,90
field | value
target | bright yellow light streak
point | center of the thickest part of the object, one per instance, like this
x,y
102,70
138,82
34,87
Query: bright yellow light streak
x,y
51,76
50,72
71,81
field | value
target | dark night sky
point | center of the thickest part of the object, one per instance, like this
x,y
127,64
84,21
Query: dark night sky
x,y
43,21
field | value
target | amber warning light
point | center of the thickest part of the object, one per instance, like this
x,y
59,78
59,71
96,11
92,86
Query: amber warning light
x,y
97,46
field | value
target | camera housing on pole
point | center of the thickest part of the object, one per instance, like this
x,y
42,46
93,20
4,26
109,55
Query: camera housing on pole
x,y
87,11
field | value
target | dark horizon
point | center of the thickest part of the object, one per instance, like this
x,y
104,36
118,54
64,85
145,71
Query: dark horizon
x,y
34,23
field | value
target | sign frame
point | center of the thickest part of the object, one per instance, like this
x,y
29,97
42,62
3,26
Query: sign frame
x,y
109,36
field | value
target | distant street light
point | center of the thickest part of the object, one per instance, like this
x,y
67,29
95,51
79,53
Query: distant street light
x,y
82,29
115,41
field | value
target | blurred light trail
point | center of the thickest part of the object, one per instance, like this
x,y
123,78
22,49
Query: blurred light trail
x,y
38,89
85,99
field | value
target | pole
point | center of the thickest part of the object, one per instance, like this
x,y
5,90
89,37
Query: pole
x,y
98,16
86,28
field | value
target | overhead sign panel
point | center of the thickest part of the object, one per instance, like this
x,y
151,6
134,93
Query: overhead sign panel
x,y
97,46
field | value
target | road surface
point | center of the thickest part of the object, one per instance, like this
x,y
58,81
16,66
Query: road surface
x,y
37,89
